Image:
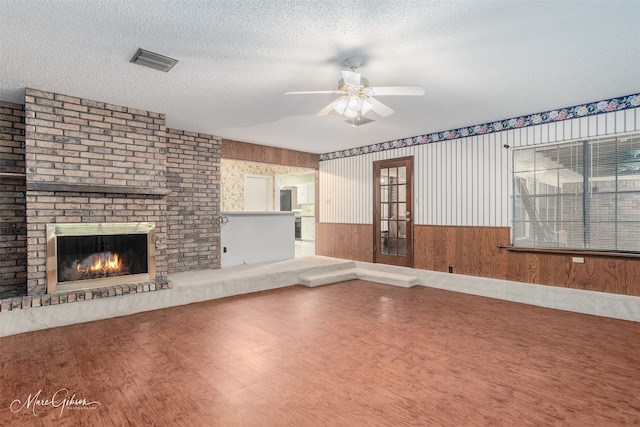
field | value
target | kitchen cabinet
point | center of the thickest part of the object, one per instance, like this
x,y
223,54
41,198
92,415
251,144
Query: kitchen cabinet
x,y
308,228
306,194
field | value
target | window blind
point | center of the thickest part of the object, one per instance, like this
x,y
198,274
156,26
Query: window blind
x,y
578,195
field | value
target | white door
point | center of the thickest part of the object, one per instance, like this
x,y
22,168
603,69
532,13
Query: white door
x,y
258,193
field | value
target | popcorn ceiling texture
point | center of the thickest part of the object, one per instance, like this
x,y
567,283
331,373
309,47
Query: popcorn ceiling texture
x,y
237,58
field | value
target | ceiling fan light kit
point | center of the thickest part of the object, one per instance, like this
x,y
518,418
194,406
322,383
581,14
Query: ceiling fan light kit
x,y
351,106
357,97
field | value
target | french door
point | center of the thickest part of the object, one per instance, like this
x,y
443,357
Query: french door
x,y
393,212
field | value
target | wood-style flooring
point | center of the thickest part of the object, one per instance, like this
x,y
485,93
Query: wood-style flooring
x,y
349,354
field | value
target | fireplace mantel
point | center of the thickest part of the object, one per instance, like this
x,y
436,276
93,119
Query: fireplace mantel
x,y
106,189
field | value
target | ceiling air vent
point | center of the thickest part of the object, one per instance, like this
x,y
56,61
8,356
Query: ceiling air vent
x,y
153,60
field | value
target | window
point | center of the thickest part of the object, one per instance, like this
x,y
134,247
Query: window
x,y
578,195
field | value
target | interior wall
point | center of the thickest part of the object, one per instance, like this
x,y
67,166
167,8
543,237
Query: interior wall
x,y
463,186
463,181
193,206
13,225
264,154
347,241
476,251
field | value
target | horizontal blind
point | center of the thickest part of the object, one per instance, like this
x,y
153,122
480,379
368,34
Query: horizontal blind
x,y
580,195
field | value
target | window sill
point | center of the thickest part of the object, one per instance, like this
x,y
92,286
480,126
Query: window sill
x,y
562,251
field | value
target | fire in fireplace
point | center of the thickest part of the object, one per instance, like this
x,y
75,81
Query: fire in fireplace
x,y
91,255
94,257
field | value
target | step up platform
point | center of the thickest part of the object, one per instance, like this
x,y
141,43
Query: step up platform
x,y
335,276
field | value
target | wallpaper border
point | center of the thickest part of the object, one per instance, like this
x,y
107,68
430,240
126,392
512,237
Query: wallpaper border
x,y
583,110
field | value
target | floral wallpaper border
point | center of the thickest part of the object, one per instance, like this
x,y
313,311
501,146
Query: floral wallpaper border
x,y
598,107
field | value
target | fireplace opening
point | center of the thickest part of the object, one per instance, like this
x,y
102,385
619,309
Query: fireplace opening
x,y
101,256
93,255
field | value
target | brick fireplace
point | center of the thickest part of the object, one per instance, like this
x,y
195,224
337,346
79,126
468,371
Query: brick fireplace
x,y
90,162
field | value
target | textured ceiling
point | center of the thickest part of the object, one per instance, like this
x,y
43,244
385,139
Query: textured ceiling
x,y
479,61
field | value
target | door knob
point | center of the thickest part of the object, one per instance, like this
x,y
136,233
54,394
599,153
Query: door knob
x,y
407,216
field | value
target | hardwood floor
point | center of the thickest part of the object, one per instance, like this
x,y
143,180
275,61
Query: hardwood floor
x,y
352,354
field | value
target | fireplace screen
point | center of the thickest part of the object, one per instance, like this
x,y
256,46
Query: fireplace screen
x,y
87,255
94,257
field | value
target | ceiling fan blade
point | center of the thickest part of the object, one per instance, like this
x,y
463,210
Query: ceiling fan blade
x,y
307,92
379,107
351,78
398,90
326,110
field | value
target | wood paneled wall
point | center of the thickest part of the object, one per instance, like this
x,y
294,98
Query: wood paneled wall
x,y
347,241
469,250
261,153
473,251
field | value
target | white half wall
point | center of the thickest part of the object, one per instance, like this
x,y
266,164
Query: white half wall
x,y
254,237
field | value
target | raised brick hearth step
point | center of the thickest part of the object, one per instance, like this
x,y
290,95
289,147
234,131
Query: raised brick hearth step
x,y
18,303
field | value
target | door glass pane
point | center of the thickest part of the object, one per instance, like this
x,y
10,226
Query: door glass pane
x,y
402,175
385,210
384,244
384,237
384,194
402,228
402,207
402,247
393,175
402,193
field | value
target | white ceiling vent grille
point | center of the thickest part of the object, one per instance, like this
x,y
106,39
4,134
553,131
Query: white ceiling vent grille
x,y
153,60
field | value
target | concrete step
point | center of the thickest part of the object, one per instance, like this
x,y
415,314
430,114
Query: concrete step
x,y
328,268
325,278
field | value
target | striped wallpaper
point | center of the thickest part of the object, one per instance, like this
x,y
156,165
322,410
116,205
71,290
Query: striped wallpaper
x,y
462,181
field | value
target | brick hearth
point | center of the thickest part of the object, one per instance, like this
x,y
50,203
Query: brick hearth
x,y
33,301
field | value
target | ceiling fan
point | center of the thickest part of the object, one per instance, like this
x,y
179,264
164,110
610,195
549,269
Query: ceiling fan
x,y
357,97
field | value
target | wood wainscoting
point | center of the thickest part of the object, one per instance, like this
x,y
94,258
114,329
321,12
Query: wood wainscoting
x,y
347,241
469,250
474,251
